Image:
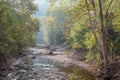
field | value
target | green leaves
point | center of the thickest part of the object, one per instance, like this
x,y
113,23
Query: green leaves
x,y
88,24
89,41
55,22
17,25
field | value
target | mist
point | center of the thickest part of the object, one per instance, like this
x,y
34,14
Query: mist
x,y
42,7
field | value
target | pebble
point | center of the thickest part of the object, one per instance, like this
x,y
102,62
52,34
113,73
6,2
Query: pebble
x,y
28,69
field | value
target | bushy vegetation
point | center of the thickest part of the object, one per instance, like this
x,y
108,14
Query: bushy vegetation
x,y
92,25
17,26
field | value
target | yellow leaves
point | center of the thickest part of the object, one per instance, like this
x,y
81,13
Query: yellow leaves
x,y
75,45
67,35
49,21
116,22
89,40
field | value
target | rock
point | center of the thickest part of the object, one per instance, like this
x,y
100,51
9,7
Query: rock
x,y
50,52
12,77
35,67
46,52
33,57
23,71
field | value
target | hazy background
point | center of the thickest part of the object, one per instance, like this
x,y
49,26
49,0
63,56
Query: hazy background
x,y
42,6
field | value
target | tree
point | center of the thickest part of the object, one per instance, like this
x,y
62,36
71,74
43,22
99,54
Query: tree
x,y
17,25
98,15
55,22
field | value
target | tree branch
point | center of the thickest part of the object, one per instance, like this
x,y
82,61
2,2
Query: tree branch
x,y
106,14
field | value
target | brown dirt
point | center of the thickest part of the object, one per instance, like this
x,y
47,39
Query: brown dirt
x,y
66,60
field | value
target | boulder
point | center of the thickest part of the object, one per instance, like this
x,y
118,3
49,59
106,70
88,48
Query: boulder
x,y
46,52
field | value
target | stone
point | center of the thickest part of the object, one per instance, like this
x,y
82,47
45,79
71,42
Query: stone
x,y
23,71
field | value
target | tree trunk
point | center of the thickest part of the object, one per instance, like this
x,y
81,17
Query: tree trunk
x,y
91,23
107,15
103,36
96,24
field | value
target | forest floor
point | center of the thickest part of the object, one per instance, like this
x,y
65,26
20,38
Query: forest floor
x,y
34,62
67,57
60,55
71,57
67,60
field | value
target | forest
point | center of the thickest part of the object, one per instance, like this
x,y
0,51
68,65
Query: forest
x,y
92,26
17,26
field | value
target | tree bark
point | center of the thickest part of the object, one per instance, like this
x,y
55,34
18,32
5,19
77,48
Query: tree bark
x,y
106,24
103,35
96,24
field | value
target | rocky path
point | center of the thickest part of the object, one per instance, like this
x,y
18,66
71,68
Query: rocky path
x,y
35,67
66,61
39,66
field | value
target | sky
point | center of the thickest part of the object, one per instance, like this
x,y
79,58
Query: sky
x,y
42,6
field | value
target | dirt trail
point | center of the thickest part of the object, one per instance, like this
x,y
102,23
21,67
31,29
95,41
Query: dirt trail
x,y
66,60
